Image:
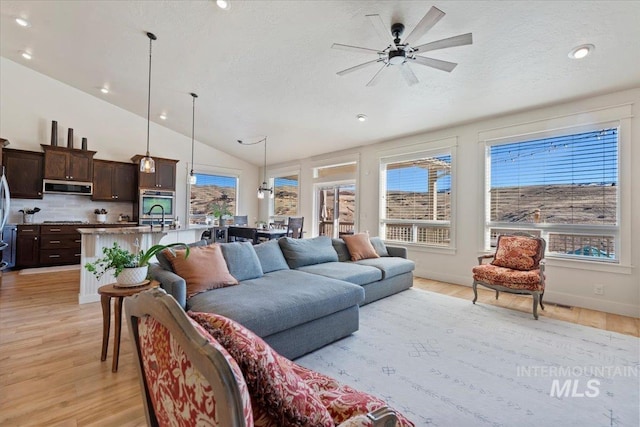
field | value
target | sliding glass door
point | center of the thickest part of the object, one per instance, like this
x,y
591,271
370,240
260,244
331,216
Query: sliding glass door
x,y
336,209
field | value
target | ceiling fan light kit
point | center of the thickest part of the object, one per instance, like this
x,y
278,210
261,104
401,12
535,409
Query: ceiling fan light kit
x,y
399,54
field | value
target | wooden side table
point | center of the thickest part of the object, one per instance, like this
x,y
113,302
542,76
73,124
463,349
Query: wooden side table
x,y
106,293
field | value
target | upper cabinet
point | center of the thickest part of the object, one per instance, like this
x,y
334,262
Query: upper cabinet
x,y
24,173
114,181
164,177
67,164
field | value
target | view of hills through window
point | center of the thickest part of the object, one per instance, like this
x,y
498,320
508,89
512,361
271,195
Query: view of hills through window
x,y
211,197
564,189
285,201
564,180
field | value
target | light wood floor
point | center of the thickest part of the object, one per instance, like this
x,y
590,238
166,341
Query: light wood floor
x,y
50,368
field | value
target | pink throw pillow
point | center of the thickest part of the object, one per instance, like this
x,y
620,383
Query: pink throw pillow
x,y
275,388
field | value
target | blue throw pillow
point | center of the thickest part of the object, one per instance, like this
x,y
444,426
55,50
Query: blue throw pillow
x,y
379,246
242,261
301,252
270,256
341,249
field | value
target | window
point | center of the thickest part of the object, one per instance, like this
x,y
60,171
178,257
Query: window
x,y
417,198
213,196
563,188
285,200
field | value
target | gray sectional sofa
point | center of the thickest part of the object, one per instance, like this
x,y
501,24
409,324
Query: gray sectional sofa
x,y
297,294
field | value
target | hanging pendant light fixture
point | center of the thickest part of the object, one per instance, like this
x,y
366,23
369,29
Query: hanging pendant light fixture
x,y
263,187
192,178
147,164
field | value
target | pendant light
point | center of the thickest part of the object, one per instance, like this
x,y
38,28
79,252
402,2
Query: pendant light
x,y
263,187
192,177
147,164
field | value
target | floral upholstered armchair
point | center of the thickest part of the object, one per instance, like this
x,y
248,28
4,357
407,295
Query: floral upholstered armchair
x,y
205,369
517,267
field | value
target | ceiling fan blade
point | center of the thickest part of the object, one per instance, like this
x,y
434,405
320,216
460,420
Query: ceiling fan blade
x,y
357,67
353,48
382,30
434,63
376,76
461,40
408,74
428,21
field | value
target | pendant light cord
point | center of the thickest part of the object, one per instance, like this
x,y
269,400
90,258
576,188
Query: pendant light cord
x,y
264,169
193,127
149,93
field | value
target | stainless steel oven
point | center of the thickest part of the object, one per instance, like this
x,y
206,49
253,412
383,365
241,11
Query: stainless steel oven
x,y
156,205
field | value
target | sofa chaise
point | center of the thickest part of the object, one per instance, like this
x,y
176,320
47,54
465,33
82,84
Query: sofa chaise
x,y
296,294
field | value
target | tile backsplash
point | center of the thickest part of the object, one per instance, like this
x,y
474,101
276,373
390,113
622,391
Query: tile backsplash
x,y
67,207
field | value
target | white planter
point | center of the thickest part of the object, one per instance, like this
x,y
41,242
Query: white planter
x,y
132,276
27,218
101,218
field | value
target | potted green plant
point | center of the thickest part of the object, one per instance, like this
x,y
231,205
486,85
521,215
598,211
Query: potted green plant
x,y
129,268
27,214
101,215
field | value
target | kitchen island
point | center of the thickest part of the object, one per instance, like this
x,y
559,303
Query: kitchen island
x,y
130,238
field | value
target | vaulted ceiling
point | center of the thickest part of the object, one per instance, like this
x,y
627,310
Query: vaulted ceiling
x,y
267,67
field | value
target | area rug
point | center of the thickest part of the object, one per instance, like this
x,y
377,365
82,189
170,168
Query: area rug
x,y
443,361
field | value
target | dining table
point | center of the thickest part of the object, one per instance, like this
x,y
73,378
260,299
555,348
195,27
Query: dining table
x,y
260,233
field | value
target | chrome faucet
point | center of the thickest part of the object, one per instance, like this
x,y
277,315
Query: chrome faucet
x,y
162,219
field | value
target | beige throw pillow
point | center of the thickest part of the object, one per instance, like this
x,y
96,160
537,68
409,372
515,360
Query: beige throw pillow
x,y
360,247
204,268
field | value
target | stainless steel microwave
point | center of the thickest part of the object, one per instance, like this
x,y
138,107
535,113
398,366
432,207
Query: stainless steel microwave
x,y
50,186
163,203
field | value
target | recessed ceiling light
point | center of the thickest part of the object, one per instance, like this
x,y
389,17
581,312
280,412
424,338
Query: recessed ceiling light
x,y
361,118
223,4
22,22
104,90
26,55
163,116
581,51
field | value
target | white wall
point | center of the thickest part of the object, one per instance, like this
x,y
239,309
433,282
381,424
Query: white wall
x,y
29,101
568,283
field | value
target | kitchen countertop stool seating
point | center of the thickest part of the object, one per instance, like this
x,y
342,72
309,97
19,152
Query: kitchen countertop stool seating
x,y
106,293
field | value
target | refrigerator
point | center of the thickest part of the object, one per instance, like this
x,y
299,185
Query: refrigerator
x,y
5,202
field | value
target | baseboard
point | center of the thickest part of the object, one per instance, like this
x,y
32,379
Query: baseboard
x,y
42,270
606,306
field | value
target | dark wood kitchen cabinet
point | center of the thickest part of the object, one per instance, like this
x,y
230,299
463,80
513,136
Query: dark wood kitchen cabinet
x,y
114,181
164,177
59,245
67,164
24,173
28,246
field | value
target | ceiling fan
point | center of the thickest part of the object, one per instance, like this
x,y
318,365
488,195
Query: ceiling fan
x,y
401,54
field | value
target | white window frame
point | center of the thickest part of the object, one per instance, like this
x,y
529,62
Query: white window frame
x,y
610,117
446,146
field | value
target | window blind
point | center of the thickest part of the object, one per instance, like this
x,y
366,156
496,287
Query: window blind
x,y
570,179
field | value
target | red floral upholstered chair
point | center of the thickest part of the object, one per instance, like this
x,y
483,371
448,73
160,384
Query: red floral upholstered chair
x,y
231,378
517,267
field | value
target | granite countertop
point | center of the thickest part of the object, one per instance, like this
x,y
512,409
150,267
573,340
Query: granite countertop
x,y
140,229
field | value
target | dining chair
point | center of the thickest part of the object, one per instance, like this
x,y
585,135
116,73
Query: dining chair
x,y
294,227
